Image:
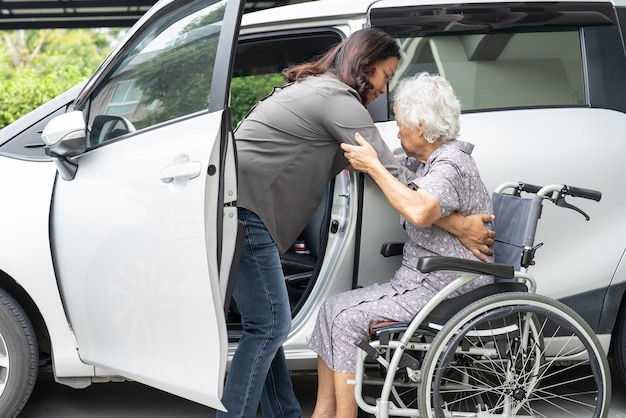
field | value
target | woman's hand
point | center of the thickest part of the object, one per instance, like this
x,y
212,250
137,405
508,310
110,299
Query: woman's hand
x,y
472,231
362,157
477,237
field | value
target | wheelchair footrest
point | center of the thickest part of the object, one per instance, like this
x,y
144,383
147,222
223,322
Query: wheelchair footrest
x,y
372,353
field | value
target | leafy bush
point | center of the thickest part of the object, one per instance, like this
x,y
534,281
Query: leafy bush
x,y
248,90
38,65
28,90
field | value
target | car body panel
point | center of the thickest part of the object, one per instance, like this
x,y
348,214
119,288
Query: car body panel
x,y
25,239
402,3
305,14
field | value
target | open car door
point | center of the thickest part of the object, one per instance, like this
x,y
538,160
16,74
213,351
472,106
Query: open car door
x,y
144,220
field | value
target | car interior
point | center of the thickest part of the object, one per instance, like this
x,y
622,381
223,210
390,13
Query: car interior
x,y
268,56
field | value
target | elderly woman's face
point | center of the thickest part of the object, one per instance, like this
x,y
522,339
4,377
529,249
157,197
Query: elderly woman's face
x,y
413,141
383,71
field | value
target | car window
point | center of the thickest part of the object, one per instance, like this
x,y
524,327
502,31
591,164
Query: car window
x,y
497,56
606,66
165,74
502,70
260,60
621,14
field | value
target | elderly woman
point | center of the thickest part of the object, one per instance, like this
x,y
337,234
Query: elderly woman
x,y
427,113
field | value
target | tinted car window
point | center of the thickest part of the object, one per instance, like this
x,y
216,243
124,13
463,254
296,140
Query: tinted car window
x,y
166,73
502,70
501,55
606,66
621,14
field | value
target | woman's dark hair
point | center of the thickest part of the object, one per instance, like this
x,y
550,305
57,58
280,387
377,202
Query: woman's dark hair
x,y
351,60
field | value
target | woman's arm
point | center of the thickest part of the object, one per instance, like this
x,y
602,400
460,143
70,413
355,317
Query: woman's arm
x,y
418,206
471,231
343,115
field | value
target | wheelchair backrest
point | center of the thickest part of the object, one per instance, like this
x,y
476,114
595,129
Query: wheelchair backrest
x,y
515,226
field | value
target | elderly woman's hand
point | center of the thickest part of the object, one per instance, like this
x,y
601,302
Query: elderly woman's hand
x,y
362,157
477,237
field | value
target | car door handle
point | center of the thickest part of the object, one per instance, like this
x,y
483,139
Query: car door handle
x,y
189,170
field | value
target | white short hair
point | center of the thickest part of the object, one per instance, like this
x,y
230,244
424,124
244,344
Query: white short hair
x,y
429,100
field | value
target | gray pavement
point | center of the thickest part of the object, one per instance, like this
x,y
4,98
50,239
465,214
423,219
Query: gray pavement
x,y
131,400
134,400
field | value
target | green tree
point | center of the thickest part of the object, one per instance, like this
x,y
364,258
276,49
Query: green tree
x,y
37,65
246,91
177,81
179,78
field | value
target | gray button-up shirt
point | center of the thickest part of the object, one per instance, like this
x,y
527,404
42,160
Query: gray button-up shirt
x,y
288,148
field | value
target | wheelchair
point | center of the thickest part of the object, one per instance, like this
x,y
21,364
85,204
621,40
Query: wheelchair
x,y
501,350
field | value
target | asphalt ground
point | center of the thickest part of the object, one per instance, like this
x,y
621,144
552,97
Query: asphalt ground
x,y
134,400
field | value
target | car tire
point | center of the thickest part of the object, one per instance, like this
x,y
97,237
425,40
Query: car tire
x,y
619,345
19,357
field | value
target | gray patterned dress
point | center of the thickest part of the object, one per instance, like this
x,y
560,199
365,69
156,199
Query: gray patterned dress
x,y
451,175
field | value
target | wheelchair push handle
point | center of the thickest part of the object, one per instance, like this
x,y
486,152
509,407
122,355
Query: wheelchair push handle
x,y
584,193
563,190
527,188
556,193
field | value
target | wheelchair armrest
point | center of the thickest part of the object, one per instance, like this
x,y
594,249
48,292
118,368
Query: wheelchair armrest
x,y
438,263
389,249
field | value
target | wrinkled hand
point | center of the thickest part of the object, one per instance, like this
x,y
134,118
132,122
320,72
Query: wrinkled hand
x,y
362,157
477,237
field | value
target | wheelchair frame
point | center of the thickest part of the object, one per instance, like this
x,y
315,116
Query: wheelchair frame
x,y
504,353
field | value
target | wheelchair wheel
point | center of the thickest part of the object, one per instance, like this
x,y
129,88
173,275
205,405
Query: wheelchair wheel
x,y
516,354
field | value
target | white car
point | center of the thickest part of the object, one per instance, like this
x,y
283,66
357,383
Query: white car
x,y
118,233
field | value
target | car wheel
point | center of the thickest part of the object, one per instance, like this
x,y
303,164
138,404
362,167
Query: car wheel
x,y
619,345
19,357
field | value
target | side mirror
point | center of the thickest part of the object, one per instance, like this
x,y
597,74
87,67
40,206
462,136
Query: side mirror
x,y
107,127
65,137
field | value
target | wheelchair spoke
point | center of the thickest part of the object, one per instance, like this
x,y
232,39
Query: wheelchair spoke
x,y
494,360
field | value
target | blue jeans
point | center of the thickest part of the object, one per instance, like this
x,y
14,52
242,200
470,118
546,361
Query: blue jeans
x,y
258,372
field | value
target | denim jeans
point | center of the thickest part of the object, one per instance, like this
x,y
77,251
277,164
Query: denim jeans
x,y
258,372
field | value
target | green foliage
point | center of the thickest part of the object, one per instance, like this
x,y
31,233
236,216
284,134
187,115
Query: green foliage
x,y
5,63
173,84
177,81
247,91
28,90
81,49
38,65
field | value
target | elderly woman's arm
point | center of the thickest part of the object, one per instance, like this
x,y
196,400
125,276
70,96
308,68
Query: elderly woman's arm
x,y
418,206
471,231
